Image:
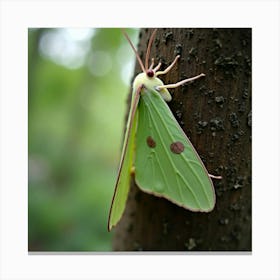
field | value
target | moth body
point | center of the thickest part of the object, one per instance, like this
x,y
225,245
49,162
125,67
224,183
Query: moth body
x,y
152,83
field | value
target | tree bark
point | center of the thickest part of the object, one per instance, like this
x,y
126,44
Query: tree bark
x,y
215,113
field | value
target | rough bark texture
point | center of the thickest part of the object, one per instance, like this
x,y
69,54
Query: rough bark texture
x,y
215,113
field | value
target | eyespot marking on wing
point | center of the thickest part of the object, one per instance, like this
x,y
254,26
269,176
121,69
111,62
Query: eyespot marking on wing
x,y
151,142
177,147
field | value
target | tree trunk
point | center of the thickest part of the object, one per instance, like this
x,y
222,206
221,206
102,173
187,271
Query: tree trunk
x,y
215,113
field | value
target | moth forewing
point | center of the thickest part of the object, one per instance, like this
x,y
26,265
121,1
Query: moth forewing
x,y
166,164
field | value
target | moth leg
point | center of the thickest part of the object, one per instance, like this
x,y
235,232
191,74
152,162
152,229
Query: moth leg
x,y
180,83
168,68
152,64
215,177
157,67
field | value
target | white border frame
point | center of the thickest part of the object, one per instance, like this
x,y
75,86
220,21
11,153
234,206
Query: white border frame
x,y
17,16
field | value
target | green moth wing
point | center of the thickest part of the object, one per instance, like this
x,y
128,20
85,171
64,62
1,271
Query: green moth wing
x,y
126,164
166,164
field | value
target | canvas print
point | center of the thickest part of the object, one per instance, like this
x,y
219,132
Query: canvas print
x,y
139,139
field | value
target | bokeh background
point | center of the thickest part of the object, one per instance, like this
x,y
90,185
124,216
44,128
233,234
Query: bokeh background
x,y
78,83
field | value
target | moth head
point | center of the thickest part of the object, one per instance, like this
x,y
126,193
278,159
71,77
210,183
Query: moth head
x,y
149,74
151,83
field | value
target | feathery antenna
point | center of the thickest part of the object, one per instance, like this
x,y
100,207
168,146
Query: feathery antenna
x,y
135,51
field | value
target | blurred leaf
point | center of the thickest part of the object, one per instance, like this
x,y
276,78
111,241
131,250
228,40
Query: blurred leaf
x,y
75,125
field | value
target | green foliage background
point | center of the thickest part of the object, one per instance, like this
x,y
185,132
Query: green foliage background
x,y
76,111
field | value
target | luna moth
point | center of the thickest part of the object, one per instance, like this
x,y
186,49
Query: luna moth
x,y
156,149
